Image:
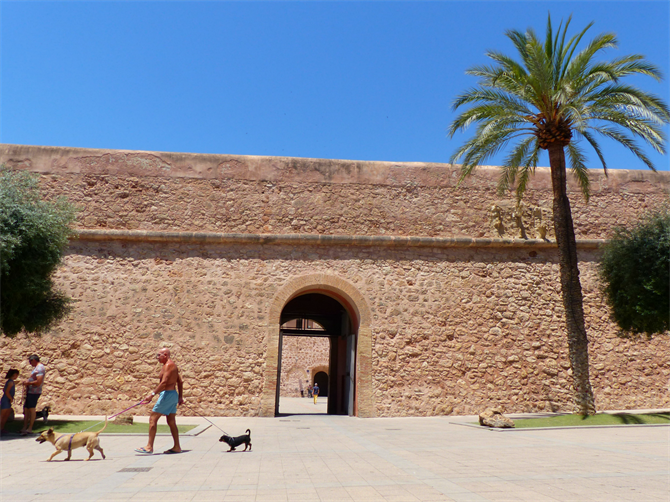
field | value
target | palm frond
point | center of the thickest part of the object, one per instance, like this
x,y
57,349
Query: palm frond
x,y
578,64
482,146
528,166
626,141
560,49
594,144
618,95
512,163
552,85
491,96
579,170
648,131
487,115
518,166
636,64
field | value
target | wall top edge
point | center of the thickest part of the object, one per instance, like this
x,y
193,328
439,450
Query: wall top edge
x,y
319,240
136,163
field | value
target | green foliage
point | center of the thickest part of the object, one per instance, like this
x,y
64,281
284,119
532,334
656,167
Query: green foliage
x,y
635,270
33,237
556,95
64,426
594,420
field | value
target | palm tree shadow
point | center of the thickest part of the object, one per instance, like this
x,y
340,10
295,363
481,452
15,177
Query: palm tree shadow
x,y
626,418
665,416
40,426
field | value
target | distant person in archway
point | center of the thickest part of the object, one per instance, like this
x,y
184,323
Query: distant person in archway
x,y
315,391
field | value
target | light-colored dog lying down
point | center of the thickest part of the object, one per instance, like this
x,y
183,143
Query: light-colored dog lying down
x,y
68,442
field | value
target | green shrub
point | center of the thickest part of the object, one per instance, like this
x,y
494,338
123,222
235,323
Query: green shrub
x,y
33,237
635,270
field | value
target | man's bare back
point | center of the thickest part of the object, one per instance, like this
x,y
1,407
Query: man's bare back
x,y
169,375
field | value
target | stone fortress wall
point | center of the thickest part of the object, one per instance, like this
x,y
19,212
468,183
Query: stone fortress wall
x,y
464,311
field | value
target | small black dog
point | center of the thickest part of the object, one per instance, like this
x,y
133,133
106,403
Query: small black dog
x,y
44,414
233,442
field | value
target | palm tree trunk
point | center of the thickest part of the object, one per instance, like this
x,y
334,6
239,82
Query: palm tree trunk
x,y
571,288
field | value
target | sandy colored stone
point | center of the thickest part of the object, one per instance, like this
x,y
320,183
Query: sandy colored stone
x,y
450,330
493,417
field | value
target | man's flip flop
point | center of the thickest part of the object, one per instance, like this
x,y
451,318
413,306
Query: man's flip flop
x,y
170,452
143,450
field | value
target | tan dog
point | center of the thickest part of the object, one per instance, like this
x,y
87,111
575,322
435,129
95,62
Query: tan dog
x,y
68,442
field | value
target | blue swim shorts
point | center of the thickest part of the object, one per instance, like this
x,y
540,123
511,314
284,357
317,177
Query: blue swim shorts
x,y
167,402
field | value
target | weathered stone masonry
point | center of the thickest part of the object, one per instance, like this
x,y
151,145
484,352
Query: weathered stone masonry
x,y
454,314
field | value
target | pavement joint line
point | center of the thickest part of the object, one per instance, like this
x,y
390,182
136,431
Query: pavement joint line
x,y
547,477
603,448
447,487
566,427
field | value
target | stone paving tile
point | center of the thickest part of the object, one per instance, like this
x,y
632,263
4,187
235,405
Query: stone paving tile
x,y
209,496
521,496
333,494
393,493
274,495
240,495
307,492
364,494
319,458
164,497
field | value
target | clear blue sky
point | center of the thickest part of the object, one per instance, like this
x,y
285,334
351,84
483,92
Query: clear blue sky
x,y
344,80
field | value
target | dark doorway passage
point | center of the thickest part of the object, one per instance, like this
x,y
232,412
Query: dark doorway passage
x,y
315,315
321,379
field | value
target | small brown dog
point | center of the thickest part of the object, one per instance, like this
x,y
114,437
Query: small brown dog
x,y
68,442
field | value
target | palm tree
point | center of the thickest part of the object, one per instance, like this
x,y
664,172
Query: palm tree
x,y
554,99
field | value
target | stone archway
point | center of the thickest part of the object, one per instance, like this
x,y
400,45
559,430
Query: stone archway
x,y
356,306
321,379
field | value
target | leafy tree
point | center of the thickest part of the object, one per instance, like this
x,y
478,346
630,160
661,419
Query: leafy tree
x,y
635,270
33,237
556,98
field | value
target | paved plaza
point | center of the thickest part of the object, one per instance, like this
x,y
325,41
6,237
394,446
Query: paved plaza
x,y
316,457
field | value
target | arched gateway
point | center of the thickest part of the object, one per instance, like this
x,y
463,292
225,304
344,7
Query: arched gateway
x,y
319,295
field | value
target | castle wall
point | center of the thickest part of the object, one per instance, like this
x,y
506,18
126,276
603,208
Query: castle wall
x,y
276,195
453,329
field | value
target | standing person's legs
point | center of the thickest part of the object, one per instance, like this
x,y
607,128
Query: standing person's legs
x,y
28,419
153,427
29,412
4,417
315,396
172,422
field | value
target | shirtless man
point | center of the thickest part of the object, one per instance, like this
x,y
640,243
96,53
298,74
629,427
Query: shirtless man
x,y
168,400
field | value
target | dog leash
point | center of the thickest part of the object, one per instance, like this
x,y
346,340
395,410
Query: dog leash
x,y
113,416
129,408
198,414
133,406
